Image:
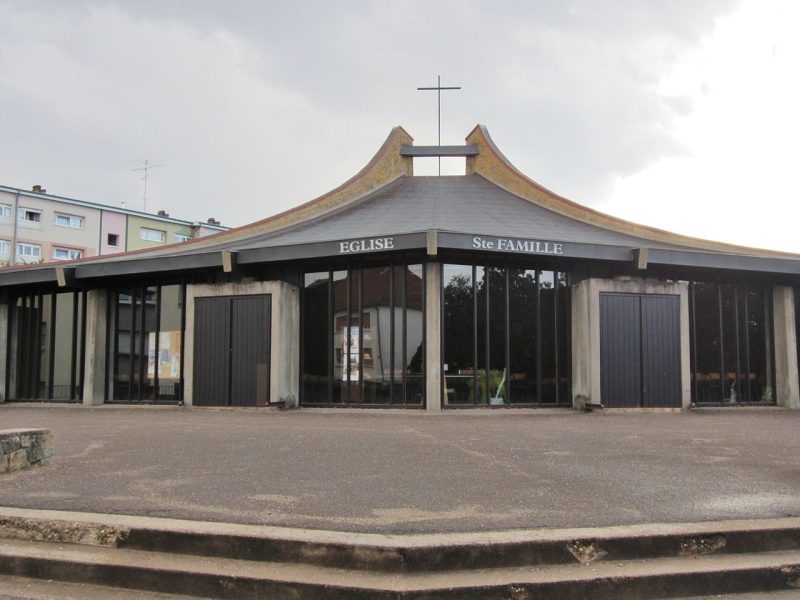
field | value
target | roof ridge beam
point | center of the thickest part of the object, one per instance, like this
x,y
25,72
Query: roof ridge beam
x,y
427,151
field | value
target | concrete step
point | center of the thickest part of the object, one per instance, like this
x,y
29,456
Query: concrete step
x,y
216,577
406,553
26,588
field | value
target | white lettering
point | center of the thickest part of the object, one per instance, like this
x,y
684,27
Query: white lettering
x,y
366,245
514,245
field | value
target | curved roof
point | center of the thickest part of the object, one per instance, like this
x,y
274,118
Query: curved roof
x,y
385,199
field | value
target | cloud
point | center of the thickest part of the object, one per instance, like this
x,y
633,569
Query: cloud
x,y
256,107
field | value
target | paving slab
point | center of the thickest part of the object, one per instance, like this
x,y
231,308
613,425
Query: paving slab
x,y
410,472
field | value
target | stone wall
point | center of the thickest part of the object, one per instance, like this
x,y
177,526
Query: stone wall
x,y
22,448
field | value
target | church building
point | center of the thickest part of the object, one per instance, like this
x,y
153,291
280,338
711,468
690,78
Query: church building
x,y
483,290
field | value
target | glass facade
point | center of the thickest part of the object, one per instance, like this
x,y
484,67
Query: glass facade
x,y
505,336
46,346
146,331
363,336
732,344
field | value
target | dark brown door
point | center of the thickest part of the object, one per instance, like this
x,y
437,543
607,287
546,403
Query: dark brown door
x,y
232,351
640,350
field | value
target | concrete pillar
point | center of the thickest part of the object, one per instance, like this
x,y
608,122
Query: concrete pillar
x,y
787,387
585,390
287,314
94,377
586,333
4,310
433,340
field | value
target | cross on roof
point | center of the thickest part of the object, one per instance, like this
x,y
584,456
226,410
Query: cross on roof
x,y
439,89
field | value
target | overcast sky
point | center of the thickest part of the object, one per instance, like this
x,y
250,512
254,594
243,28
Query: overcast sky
x,y
677,114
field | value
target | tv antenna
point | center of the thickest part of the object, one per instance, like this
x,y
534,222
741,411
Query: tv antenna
x,y
438,90
146,165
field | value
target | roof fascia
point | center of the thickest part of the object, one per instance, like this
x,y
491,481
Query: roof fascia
x,y
604,252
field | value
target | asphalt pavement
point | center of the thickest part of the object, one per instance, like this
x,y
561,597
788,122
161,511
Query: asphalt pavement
x,y
406,472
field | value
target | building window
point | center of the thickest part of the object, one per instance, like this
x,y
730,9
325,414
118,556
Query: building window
x,y
182,237
146,329
69,221
5,248
30,215
66,253
362,336
506,336
152,235
5,211
47,363
29,251
113,239
731,343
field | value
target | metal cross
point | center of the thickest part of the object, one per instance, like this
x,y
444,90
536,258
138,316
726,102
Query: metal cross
x,y
439,89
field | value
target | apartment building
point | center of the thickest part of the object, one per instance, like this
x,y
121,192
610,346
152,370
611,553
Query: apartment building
x,y
42,227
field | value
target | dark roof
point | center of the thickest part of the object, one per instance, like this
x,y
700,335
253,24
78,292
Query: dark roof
x,y
456,204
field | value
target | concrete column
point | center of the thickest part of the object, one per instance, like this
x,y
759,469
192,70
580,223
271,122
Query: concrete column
x,y
94,377
787,387
4,310
286,386
433,340
584,369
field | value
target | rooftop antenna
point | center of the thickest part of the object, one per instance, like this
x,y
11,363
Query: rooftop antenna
x,y
146,166
439,89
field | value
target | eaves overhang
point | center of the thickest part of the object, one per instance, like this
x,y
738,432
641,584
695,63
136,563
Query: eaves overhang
x,y
431,242
616,253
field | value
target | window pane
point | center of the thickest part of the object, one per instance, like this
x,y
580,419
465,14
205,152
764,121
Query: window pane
x,y
549,347
125,316
340,308
495,279
523,316
757,379
44,341
415,337
65,326
315,338
707,342
730,349
168,358
459,322
26,350
375,327
352,339
146,345
735,364
401,281
564,340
